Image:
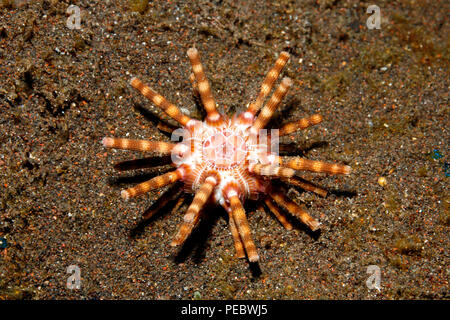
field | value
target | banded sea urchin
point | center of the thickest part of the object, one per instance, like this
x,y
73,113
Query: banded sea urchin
x,y
227,161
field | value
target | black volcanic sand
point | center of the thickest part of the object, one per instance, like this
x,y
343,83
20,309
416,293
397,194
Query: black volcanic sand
x,y
383,95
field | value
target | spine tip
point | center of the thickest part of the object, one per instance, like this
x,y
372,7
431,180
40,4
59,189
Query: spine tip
x,y
107,142
124,194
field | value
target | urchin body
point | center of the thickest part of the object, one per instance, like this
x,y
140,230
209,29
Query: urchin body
x,y
226,161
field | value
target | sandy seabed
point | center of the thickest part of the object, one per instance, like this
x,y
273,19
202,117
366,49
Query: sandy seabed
x,y
383,94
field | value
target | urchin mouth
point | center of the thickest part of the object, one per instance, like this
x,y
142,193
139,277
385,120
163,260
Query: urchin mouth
x,y
224,150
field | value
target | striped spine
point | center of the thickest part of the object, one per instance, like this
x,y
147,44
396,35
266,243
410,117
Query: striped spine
x,y
194,84
271,170
300,124
268,82
295,209
278,214
155,183
162,201
238,214
305,185
202,85
170,109
298,163
268,110
138,145
238,245
193,212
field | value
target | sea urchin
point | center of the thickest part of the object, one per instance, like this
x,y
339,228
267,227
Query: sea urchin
x,y
226,161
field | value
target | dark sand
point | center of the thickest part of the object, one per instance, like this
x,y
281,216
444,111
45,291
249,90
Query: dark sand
x,y
383,94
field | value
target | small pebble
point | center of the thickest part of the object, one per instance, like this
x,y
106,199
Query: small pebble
x,y
382,181
3,243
